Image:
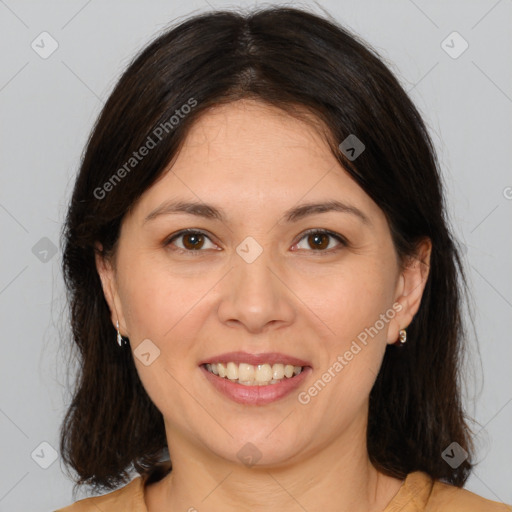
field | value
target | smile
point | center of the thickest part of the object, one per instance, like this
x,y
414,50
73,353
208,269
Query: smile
x,y
252,392
254,375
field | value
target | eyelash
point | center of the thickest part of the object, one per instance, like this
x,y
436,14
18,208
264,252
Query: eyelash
x,y
321,252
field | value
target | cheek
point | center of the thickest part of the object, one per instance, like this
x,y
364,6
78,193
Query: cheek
x,y
356,300
358,310
157,301
168,311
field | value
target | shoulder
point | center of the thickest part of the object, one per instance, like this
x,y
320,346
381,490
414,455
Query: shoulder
x,y
421,493
445,497
129,498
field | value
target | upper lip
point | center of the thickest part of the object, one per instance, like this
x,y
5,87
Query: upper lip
x,y
255,359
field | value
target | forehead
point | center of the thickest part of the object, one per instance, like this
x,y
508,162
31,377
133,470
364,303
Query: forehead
x,y
257,125
251,155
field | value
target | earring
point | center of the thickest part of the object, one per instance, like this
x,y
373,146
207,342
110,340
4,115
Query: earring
x,y
120,340
402,336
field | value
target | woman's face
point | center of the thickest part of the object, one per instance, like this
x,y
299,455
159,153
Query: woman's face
x,y
254,281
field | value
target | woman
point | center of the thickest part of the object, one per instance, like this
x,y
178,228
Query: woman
x,y
262,282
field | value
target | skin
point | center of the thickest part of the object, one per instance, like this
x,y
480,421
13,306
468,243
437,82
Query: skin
x,y
255,162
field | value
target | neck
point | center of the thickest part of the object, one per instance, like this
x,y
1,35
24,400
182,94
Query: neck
x,y
338,477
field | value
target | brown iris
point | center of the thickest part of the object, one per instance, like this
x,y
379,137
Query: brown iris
x,y
197,240
315,240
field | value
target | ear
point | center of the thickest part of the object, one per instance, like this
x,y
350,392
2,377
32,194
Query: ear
x,y
107,275
410,287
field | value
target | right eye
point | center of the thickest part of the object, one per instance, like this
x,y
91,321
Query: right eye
x,y
193,240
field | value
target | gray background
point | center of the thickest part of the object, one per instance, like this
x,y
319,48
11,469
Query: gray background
x,y
49,105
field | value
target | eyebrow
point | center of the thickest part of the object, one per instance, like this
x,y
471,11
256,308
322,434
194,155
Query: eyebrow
x,y
292,215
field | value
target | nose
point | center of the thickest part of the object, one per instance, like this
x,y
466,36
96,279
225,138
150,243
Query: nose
x,y
256,296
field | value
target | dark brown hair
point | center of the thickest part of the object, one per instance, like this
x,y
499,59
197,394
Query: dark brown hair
x,y
302,64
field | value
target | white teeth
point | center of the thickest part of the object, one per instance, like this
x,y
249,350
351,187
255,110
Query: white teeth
x,y
232,371
221,369
263,373
288,370
278,371
250,375
245,372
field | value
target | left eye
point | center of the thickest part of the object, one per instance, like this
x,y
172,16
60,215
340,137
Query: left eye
x,y
193,240
319,239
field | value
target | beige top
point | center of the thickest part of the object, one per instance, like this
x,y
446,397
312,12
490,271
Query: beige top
x,y
418,493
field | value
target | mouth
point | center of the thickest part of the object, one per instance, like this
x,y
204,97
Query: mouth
x,y
253,375
255,379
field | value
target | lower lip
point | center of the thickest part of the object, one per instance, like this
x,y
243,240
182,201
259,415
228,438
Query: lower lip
x,y
256,395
